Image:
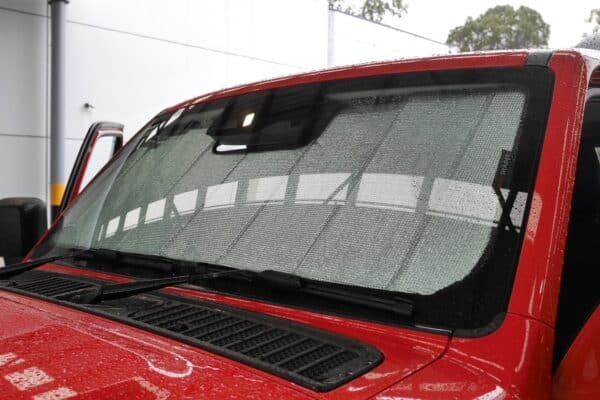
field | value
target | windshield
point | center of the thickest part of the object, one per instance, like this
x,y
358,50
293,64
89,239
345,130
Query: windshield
x,y
412,183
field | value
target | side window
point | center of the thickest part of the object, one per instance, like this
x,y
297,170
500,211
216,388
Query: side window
x,y
579,293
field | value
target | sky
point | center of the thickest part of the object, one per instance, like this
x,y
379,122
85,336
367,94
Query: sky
x,y
435,18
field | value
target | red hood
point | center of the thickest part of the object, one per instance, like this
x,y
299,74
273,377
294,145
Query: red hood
x,y
512,362
65,353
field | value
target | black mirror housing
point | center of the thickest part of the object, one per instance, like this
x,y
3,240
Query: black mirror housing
x,y
23,220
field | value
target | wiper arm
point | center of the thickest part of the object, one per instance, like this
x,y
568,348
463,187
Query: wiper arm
x,y
16,269
122,290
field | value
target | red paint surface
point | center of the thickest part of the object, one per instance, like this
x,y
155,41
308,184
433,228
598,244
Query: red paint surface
x,y
511,363
99,358
90,355
578,376
535,292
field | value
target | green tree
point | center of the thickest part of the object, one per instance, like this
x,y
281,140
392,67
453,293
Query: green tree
x,y
373,10
501,27
339,5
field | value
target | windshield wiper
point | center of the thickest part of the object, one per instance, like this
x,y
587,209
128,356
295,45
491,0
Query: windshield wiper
x,y
122,290
347,294
16,269
275,279
145,261
96,254
158,263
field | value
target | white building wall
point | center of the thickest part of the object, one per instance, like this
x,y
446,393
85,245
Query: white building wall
x,y
356,40
23,99
130,59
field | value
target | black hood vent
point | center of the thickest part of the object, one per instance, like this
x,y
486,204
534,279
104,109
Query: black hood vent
x,y
310,357
52,286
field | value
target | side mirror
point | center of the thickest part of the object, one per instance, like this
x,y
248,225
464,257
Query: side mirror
x,y
22,223
87,164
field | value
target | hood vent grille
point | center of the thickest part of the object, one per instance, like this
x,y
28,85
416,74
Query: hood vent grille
x,y
309,357
52,286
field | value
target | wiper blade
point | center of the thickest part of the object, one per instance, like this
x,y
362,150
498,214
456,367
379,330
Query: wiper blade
x,y
99,254
145,261
294,283
122,290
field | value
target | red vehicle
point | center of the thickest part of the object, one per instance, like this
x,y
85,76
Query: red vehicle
x,y
417,229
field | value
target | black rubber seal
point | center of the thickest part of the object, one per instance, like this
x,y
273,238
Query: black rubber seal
x,y
539,58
